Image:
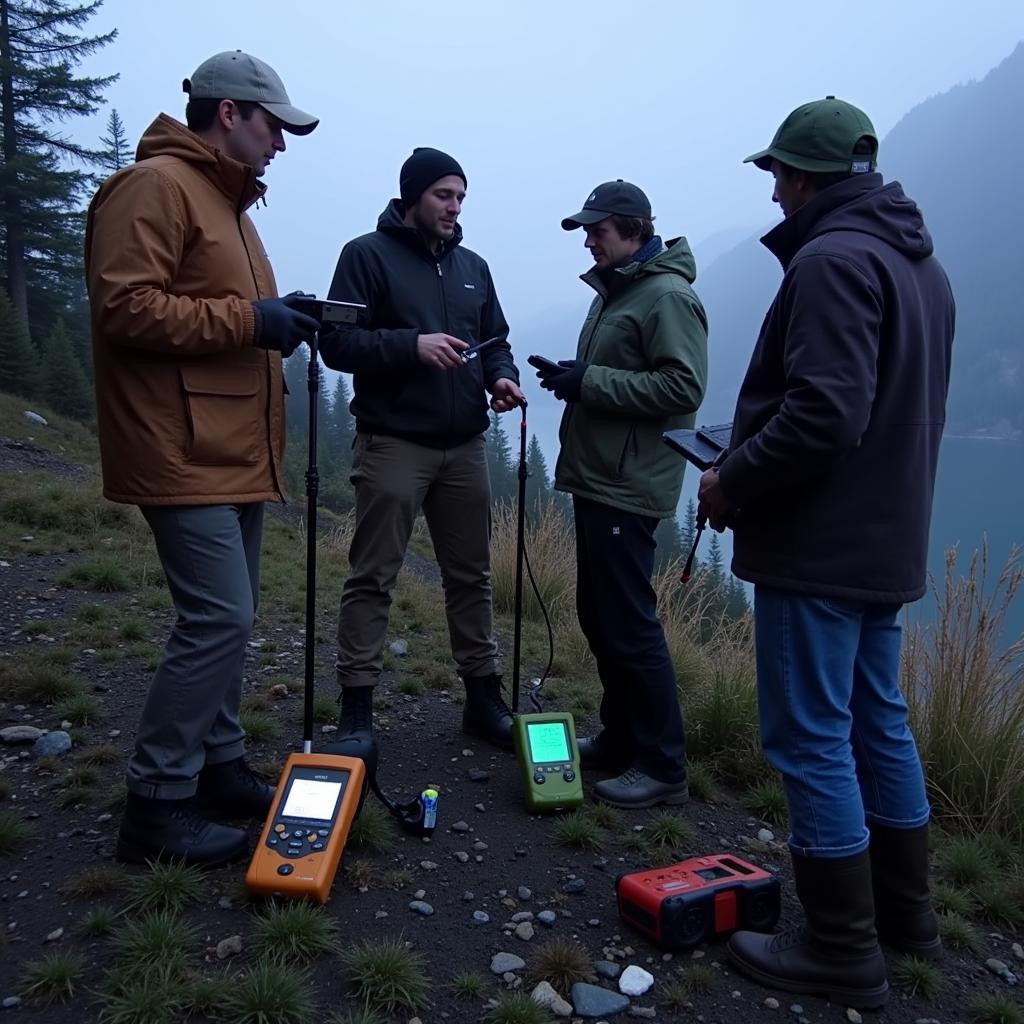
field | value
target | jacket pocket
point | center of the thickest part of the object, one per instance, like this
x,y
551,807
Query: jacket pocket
x,y
627,445
222,413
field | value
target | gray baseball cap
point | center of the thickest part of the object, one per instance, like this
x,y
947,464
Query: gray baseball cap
x,y
234,75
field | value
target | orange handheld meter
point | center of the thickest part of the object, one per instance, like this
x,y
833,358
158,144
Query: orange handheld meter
x,y
300,847
699,899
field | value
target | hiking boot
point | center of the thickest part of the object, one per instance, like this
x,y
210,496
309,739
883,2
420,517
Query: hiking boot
x,y
836,954
600,752
232,789
635,789
166,830
485,713
354,737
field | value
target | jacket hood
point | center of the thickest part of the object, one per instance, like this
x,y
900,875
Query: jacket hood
x,y
675,258
167,137
391,222
862,203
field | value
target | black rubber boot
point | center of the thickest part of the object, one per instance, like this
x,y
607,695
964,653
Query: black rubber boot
x,y
836,953
486,714
903,908
233,790
354,737
174,830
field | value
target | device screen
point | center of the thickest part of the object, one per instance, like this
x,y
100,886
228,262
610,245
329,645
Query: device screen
x,y
549,742
710,874
310,798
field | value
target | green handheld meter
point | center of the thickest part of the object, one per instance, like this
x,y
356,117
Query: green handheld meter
x,y
549,760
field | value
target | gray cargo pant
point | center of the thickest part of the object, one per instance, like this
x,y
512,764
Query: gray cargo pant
x,y
211,557
393,480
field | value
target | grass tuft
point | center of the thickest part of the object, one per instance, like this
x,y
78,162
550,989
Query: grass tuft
x,y
290,933
271,993
768,801
561,961
577,830
159,936
168,886
53,979
359,1015
102,573
517,1008
697,980
387,976
948,899
605,816
372,830
259,726
142,994
966,863
207,995
701,780
98,922
468,985
95,881
668,832
15,833
957,931
81,709
998,905
995,1008
918,977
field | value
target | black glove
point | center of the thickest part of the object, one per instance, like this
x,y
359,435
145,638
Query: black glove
x,y
566,385
280,327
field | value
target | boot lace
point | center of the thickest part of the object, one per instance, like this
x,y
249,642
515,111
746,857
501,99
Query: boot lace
x,y
787,939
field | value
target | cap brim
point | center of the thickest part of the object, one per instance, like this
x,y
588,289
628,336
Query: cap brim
x,y
293,120
578,220
763,160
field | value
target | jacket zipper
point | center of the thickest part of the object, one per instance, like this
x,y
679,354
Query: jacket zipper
x,y
447,330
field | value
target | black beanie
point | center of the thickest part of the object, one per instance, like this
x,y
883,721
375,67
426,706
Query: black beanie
x,y
422,169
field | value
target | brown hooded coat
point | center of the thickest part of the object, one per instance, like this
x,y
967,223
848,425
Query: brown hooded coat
x,y
189,411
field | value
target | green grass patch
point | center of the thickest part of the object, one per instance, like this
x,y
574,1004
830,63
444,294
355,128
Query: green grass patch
x,y
38,678
157,936
168,887
387,976
411,686
294,933
635,842
517,1008
98,922
81,709
605,816
468,985
93,614
103,573
132,630
959,933
967,863
917,977
148,993
359,1015
100,755
207,995
272,993
54,978
372,830
994,1008
577,830
15,833
260,726
668,832
697,980
948,899
768,801
701,780
38,628
998,905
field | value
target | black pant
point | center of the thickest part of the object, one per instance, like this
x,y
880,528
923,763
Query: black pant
x,y
616,603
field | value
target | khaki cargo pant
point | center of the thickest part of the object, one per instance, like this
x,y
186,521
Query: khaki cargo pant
x,y
393,480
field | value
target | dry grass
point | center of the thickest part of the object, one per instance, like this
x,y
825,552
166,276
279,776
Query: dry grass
x,y
965,689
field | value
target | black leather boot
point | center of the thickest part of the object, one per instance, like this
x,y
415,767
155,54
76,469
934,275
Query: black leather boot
x,y
601,752
485,713
354,737
836,953
232,789
903,908
174,830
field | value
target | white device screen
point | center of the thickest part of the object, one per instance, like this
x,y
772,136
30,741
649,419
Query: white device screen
x,y
309,798
548,742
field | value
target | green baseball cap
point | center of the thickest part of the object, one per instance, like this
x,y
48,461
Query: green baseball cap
x,y
820,136
234,75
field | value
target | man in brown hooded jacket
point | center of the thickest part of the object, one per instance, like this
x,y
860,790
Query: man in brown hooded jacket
x,y
188,338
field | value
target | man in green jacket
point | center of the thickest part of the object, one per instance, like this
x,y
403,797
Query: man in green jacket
x,y
640,369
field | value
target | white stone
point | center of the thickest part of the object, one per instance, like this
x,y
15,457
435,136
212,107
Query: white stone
x,y
766,835
34,417
853,1016
635,981
545,995
230,946
54,935
20,734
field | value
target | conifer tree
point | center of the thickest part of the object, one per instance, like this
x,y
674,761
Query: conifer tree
x,y
64,386
116,152
19,370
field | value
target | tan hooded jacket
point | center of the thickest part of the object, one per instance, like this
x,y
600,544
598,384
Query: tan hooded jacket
x,y
189,411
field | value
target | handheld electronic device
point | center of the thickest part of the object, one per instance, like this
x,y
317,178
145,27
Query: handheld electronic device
x,y
703,447
549,760
544,365
471,353
301,843
329,312
699,899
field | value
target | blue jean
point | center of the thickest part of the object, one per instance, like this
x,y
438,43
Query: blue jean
x,y
833,720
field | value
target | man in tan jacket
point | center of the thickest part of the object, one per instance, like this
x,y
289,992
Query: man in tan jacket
x,y
188,338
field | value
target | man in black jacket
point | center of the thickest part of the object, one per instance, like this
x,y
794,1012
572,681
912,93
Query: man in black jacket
x,y
421,413
828,485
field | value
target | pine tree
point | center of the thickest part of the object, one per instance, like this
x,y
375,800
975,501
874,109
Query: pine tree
x,y
64,387
116,152
668,537
341,428
538,486
688,529
296,403
500,464
40,218
19,370
714,565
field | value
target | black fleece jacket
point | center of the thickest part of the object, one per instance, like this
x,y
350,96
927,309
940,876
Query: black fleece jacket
x,y
838,421
408,291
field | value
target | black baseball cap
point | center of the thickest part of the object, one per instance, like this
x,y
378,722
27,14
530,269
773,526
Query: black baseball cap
x,y
613,198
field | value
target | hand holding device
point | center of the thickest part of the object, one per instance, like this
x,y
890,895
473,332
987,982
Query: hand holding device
x,y
567,382
545,367
441,350
281,325
330,313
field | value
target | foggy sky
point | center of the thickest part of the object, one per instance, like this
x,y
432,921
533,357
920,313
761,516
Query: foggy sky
x,y
540,101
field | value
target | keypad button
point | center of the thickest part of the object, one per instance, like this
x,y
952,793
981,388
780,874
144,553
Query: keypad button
x,y
286,869
539,778
569,776
318,846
